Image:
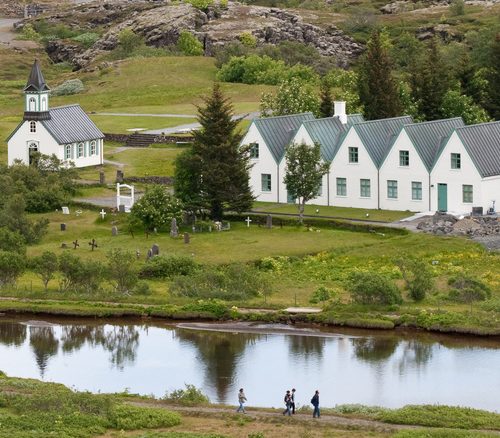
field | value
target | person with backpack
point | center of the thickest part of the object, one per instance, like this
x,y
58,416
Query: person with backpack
x,y
315,403
293,401
241,399
288,403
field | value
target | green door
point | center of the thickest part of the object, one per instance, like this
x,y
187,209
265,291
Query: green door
x,y
442,197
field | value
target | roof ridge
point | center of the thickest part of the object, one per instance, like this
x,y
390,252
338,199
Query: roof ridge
x,y
65,106
383,120
493,122
433,121
284,115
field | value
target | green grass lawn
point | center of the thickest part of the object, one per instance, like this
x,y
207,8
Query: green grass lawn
x,y
338,212
122,124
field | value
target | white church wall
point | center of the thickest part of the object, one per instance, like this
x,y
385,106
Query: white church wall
x,y
19,143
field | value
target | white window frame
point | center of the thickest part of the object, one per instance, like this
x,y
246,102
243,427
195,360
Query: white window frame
x,y
93,148
82,153
67,152
32,127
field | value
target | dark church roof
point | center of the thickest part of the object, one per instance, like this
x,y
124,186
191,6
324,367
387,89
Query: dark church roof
x,y
70,124
36,82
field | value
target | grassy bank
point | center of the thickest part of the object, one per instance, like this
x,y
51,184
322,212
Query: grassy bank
x,y
55,410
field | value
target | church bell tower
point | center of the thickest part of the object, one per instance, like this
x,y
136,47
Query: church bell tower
x,y
36,95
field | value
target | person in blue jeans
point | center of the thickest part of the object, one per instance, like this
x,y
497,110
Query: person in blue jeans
x,y
241,399
315,403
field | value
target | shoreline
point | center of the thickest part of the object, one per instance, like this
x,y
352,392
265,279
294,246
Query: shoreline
x,y
205,318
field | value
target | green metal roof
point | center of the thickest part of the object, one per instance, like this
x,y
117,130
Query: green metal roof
x,y
429,138
482,142
327,133
378,135
278,131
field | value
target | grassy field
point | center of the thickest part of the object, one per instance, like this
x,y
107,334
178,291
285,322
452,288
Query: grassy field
x,y
122,124
331,211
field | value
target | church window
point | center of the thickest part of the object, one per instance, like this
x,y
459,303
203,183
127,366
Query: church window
x,y
32,126
67,152
44,104
93,148
32,104
80,150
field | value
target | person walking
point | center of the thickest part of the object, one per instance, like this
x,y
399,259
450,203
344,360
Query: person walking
x,y
293,401
315,403
288,403
241,400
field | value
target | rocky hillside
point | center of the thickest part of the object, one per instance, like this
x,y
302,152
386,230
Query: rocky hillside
x,y
160,24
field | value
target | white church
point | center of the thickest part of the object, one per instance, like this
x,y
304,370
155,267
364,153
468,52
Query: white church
x,y
64,131
391,164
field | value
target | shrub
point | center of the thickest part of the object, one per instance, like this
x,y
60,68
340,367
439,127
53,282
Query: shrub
x,y
45,266
128,41
29,33
201,4
190,396
233,282
457,7
11,241
122,270
417,276
80,275
372,288
129,417
248,40
72,86
189,45
86,39
466,289
321,294
168,267
12,265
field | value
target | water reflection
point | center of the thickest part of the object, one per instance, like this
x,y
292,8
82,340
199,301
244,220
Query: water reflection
x,y
374,349
12,333
310,348
219,353
44,344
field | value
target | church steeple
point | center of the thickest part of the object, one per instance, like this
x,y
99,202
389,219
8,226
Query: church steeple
x,y
36,95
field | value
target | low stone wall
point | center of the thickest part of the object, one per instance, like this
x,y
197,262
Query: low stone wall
x,y
158,139
167,180
115,137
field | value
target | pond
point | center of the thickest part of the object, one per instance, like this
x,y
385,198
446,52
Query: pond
x,y
348,366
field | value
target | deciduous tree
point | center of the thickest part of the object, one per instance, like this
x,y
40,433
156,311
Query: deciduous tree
x,y
326,102
45,266
304,173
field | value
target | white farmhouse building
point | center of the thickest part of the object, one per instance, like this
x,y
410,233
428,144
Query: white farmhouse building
x,y
327,132
466,173
268,138
405,171
354,169
65,131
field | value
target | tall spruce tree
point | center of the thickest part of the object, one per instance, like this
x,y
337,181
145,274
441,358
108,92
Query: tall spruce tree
x,y
325,99
430,82
220,166
378,91
493,102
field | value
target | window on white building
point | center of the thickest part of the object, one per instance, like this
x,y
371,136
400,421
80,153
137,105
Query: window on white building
x,y
392,189
266,182
320,189
365,190
93,148
456,161
254,150
80,150
32,126
416,191
341,187
353,155
32,104
404,158
467,193
67,152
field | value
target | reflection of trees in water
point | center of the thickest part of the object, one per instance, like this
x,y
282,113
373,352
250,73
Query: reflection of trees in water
x,y
12,333
306,347
220,353
120,341
415,354
44,344
375,349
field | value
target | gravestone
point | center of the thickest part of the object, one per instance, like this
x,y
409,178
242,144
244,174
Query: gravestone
x,y
150,254
63,227
186,237
65,210
119,176
114,231
102,177
155,249
174,230
76,244
121,208
137,254
269,221
64,246
93,244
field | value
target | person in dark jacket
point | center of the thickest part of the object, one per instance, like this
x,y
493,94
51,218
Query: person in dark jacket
x,y
315,403
293,401
288,403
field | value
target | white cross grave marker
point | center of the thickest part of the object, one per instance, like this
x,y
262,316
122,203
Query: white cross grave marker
x,y
248,220
102,213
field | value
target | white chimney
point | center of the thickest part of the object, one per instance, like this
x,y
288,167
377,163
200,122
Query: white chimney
x,y
339,111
